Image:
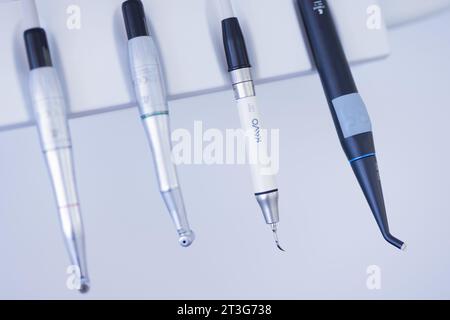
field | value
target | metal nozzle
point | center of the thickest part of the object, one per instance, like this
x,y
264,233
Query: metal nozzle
x,y
268,201
175,205
186,238
84,286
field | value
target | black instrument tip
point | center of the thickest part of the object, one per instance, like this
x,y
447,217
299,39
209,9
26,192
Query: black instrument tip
x,y
366,171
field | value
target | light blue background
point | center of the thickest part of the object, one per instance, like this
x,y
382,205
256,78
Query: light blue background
x,y
327,228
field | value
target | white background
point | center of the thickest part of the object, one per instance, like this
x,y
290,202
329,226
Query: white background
x,y
327,228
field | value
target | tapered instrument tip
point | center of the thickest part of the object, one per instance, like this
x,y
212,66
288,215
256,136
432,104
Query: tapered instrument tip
x,y
186,239
84,286
275,237
279,247
404,247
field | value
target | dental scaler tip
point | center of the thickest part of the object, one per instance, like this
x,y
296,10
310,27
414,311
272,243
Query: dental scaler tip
x,y
275,236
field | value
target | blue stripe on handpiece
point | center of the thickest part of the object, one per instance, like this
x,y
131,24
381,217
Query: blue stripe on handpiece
x,y
363,157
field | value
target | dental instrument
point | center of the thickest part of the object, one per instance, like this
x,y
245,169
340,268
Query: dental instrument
x,y
49,105
150,92
348,110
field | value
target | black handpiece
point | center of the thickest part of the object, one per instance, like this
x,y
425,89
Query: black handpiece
x,y
347,108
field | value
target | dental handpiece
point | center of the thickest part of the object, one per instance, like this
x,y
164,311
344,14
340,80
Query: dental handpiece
x,y
264,182
151,97
50,112
349,112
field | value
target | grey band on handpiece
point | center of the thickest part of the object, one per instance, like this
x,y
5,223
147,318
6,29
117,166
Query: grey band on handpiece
x,y
243,86
352,115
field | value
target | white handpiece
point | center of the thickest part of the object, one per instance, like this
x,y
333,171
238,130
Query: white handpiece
x,y
263,177
239,67
257,145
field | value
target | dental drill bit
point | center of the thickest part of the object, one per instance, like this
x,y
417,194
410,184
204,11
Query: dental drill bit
x,y
50,112
151,97
347,107
264,182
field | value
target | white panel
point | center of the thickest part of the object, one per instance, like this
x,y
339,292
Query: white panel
x,y
402,11
92,61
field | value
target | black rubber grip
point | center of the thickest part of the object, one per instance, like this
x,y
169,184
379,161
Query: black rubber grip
x,y
234,45
327,49
135,20
36,45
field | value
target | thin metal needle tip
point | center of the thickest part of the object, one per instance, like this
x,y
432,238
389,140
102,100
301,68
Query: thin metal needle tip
x,y
275,236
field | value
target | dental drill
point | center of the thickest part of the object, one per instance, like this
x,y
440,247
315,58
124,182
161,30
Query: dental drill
x,y
153,107
49,106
